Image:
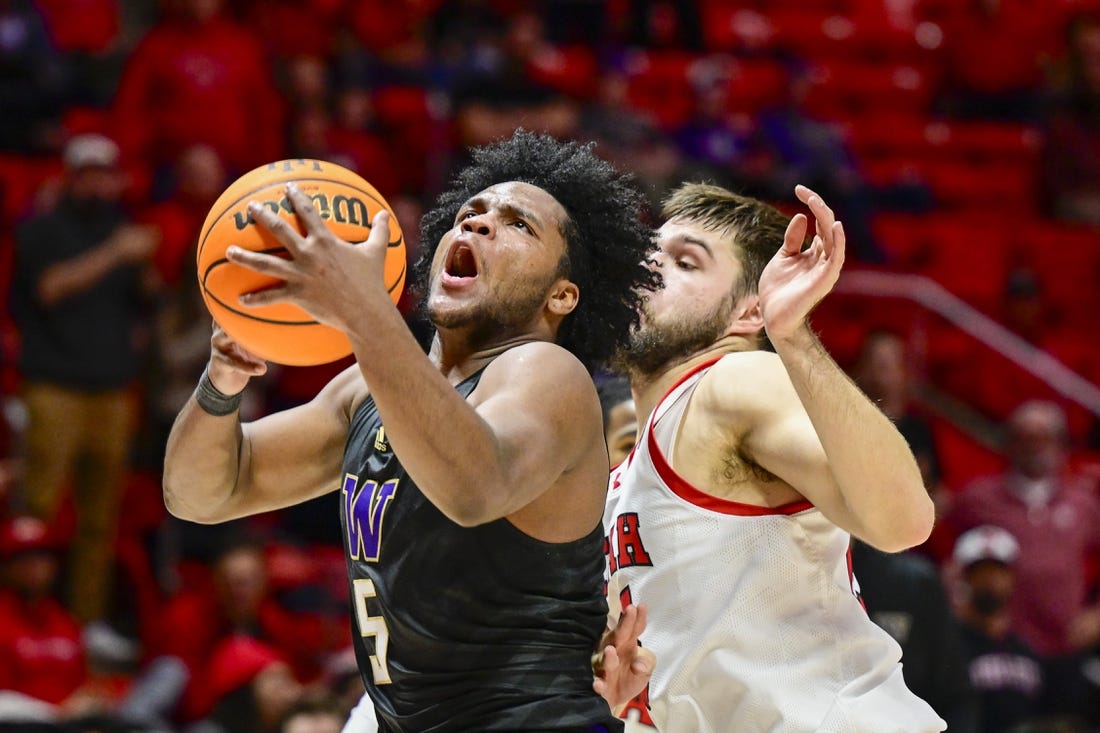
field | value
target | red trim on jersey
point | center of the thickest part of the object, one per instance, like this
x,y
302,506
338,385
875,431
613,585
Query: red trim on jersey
x,y
689,493
690,373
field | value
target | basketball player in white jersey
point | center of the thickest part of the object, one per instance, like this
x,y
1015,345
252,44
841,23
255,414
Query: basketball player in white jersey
x,y
731,517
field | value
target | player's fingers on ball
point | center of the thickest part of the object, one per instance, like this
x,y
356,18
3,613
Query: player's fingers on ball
x,y
268,296
279,227
305,210
261,263
379,237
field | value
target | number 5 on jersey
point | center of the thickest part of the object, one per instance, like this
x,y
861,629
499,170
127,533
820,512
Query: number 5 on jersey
x,y
372,627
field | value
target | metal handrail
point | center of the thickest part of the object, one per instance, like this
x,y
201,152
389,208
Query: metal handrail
x,y
934,297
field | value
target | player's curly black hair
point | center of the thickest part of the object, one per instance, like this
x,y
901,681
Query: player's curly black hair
x,y
606,238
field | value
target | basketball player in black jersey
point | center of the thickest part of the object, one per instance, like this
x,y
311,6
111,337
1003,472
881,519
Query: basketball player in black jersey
x,y
470,481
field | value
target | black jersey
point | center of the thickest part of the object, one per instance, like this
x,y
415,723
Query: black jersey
x,y
464,629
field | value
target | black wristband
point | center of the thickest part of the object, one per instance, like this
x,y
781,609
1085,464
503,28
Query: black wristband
x,y
212,400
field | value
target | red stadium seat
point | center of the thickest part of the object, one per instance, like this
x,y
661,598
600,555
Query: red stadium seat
x,y
660,83
843,89
572,70
989,186
1066,260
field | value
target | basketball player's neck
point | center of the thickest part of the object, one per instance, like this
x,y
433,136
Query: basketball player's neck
x,y
649,388
458,358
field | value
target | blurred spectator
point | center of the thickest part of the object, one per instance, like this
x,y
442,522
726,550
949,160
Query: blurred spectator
x,y
32,80
884,371
199,177
1070,164
13,426
344,681
631,139
620,421
610,116
252,685
198,77
804,149
904,595
239,603
181,331
666,23
357,137
308,83
992,54
41,654
1002,668
583,22
1054,515
78,300
396,31
87,33
313,715
313,135
1027,309
291,28
496,94
720,139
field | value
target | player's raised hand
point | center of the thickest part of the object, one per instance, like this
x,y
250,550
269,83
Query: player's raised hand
x,y
336,282
622,666
796,278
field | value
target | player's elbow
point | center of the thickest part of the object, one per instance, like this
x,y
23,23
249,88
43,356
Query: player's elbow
x,y
189,511
468,511
911,525
473,508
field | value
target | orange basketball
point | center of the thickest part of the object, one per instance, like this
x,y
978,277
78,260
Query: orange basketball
x,y
284,333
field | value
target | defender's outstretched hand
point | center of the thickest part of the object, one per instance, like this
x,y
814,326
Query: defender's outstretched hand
x,y
796,279
334,281
622,666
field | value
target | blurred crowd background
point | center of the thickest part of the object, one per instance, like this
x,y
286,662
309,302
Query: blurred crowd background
x,y
959,140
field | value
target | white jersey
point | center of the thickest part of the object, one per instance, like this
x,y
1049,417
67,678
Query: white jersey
x,y
753,614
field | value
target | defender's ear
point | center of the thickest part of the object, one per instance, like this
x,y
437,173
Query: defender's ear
x,y
746,319
563,298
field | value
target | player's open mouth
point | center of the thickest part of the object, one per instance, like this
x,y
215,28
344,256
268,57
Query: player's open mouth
x,y
461,263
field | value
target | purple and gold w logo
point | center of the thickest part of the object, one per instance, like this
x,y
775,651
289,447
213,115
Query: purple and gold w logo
x,y
364,507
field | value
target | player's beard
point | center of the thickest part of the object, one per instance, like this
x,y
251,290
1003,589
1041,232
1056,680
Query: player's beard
x,y
654,346
490,322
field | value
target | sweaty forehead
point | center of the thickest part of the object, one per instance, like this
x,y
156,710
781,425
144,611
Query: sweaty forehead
x,y
525,197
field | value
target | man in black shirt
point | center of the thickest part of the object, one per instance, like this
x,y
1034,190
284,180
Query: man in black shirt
x,y
78,298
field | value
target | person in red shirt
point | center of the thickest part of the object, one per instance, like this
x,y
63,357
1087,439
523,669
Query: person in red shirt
x,y
1054,515
198,77
239,602
200,178
41,654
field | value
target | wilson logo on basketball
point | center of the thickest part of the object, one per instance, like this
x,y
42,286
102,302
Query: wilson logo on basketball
x,y
341,209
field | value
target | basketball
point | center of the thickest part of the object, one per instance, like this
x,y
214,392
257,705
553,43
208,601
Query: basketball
x,y
284,333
